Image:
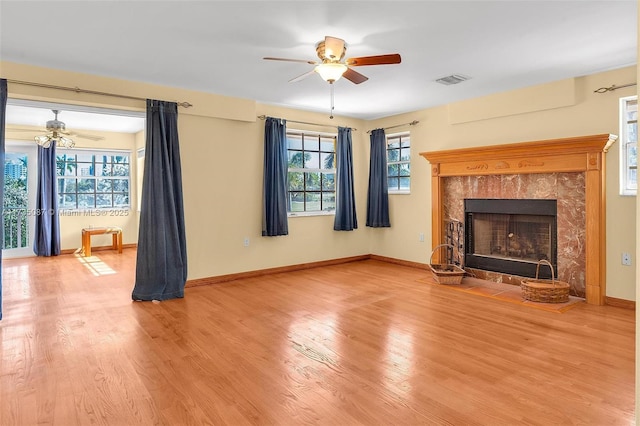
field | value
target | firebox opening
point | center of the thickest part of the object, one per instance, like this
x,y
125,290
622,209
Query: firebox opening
x,y
510,235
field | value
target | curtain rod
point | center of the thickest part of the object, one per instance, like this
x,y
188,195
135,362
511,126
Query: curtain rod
x,y
612,88
262,117
413,123
91,92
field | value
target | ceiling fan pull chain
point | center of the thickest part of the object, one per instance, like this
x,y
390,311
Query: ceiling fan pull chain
x,y
331,112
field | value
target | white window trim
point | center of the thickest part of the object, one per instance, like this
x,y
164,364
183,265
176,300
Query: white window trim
x,y
303,170
98,151
400,191
623,145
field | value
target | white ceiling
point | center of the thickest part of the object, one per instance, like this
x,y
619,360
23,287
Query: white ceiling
x,y
218,46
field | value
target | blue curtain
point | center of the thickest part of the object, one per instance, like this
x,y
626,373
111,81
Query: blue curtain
x,y
345,219
47,233
378,194
3,108
274,203
161,268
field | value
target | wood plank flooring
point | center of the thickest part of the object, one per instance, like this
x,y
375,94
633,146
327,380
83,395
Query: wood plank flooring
x,y
357,343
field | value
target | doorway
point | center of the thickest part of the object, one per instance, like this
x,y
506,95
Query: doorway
x,y
20,184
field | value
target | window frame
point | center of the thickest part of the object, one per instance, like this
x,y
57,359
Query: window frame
x,y
389,141
318,136
627,189
95,153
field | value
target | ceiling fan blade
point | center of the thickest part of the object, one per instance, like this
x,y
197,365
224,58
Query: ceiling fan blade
x,y
85,136
354,76
9,129
393,58
333,48
302,76
304,61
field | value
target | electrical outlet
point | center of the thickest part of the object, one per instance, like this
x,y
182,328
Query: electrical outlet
x,y
626,259
421,237
246,241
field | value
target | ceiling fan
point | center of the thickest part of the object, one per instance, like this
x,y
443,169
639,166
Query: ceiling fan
x,y
331,51
58,134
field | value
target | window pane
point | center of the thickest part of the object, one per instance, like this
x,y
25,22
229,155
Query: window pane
x,y
404,169
103,169
66,168
405,154
67,201
327,160
632,132
328,182
120,185
296,159
313,201
393,184
120,169
86,185
296,201
103,200
405,183
393,170
328,201
85,158
393,155
66,185
632,155
103,185
313,181
296,181
121,200
311,160
394,143
120,159
406,142
86,201
85,169
327,144
294,142
311,143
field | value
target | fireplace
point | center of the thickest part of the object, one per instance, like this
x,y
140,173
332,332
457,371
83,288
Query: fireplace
x,y
569,170
511,235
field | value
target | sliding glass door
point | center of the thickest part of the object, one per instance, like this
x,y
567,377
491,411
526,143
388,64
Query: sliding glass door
x,y
18,219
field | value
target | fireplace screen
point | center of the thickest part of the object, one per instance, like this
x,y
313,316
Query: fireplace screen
x,y
510,236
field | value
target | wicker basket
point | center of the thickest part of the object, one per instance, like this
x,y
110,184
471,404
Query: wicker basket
x,y
546,291
445,273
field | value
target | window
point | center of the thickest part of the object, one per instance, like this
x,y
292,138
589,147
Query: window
x,y
93,179
629,145
311,172
399,163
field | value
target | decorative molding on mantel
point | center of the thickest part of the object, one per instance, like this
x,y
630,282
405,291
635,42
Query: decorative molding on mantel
x,y
577,154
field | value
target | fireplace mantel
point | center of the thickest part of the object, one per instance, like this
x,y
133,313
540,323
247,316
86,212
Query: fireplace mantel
x,y
578,154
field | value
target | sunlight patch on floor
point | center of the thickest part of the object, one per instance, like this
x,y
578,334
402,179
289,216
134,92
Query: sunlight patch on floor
x,y
95,265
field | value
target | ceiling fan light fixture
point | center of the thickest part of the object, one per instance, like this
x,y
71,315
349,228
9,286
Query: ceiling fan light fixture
x,y
331,71
45,141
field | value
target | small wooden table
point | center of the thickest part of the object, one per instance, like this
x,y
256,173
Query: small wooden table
x,y
88,232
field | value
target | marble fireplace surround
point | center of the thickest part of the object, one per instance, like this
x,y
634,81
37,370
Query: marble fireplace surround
x,y
571,170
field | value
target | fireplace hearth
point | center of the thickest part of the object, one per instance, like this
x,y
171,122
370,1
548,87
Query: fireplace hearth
x,y
510,236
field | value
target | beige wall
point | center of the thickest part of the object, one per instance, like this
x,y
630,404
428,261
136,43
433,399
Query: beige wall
x,y
569,108
221,148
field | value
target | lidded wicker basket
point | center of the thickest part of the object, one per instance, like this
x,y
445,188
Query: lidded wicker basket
x,y
545,291
445,273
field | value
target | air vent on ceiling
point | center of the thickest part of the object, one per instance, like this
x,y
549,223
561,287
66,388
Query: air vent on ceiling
x,y
452,79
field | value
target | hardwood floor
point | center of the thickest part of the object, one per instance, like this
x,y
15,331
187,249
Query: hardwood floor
x,y
357,343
